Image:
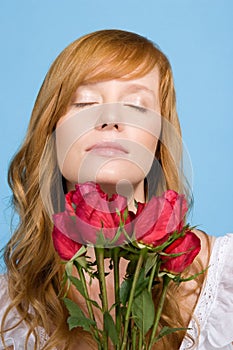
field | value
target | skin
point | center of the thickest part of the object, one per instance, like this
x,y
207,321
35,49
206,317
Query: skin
x,y
107,111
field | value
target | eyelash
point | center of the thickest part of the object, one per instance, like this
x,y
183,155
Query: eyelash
x,y
85,104
138,108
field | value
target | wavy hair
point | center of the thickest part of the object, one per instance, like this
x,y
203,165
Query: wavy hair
x,y
33,268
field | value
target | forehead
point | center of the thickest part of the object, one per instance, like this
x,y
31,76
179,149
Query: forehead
x,y
148,84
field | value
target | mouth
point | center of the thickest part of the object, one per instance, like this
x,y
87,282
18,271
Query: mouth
x,y
107,149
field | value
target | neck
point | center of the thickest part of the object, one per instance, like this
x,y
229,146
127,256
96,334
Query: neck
x,y
126,189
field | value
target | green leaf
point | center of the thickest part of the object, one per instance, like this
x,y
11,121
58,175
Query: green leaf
x,y
94,303
78,284
73,308
123,310
83,322
125,214
143,285
79,253
167,330
142,282
143,311
150,262
82,261
77,317
179,279
118,212
100,239
169,274
126,286
65,285
68,268
125,289
171,239
116,237
110,328
132,265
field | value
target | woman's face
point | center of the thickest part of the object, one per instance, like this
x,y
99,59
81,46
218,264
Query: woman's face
x,y
110,132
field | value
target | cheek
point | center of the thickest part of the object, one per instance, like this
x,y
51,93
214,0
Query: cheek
x,y
144,139
146,131
151,143
69,161
70,148
72,136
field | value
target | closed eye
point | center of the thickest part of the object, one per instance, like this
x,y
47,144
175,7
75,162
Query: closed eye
x,y
84,104
89,104
138,108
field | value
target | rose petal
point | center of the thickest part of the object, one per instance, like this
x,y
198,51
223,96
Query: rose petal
x,y
65,247
179,210
159,217
189,245
151,224
81,190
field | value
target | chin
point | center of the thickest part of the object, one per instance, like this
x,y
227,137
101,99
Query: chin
x,y
110,174
113,176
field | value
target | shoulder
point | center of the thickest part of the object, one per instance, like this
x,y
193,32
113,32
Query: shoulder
x,y
4,303
215,251
15,337
214,310
18,330
4,297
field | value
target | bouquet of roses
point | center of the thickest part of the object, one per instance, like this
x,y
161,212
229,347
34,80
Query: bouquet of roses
x,y
156,246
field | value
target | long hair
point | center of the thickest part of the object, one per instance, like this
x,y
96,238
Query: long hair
x,y
33,268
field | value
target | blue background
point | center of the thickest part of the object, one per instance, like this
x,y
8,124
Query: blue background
x,y
196,35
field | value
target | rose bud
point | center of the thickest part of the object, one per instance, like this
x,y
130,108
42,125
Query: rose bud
x,y
188,246
160,217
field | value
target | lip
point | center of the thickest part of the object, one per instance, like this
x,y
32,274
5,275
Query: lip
x,y
107,149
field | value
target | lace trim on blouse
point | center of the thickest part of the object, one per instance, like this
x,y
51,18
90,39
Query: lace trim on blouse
x,y
208,294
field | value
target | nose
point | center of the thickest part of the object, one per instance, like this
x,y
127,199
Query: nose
x,y
110,117
110,126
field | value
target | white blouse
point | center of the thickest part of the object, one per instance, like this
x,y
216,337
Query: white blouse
x,y
213,313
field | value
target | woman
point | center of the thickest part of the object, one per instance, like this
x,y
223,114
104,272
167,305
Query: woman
x,y
88,97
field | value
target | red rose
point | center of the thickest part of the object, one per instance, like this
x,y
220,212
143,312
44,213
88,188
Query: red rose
x,y
189,245
65,246
88,210
160,217
73,198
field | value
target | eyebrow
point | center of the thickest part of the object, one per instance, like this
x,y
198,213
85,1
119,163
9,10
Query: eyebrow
x,y
129,88
139,87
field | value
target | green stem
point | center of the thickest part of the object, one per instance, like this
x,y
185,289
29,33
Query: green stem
x,y
140,340
131,296
99,252
152,275
166,281
134,338
116,260
88,302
